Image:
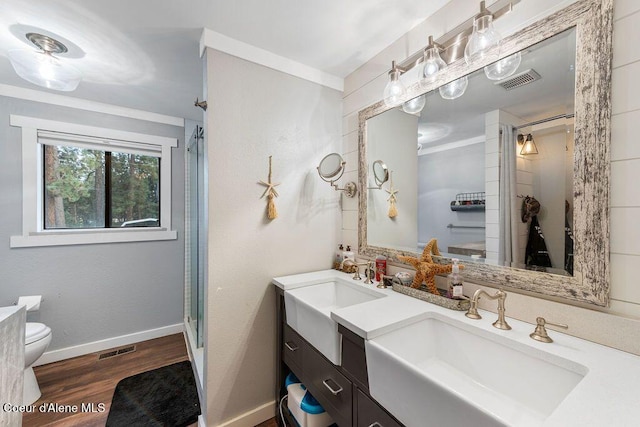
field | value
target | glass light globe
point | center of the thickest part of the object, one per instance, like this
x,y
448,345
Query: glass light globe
x,y
432,64
394,91
43,69
415,105
455,89
503,68
483,38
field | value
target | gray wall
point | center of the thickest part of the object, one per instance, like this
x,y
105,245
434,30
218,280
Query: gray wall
x,y
441,176
255,112
391,137
91,292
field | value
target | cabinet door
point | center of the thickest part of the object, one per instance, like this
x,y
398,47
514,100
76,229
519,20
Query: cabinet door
x,y
354,361
372,415
328,386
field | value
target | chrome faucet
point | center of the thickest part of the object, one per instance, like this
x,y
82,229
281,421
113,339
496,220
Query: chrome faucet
x,y
500,295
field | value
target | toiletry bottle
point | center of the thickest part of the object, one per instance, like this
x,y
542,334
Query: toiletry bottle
x,y
381,267
339,256
455,281
349,254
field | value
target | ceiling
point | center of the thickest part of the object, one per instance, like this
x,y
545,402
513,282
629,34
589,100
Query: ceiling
x,y
144,54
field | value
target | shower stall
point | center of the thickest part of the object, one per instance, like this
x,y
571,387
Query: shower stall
x,y
195,238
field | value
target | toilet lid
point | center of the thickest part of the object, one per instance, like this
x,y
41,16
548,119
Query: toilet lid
x,y
35,332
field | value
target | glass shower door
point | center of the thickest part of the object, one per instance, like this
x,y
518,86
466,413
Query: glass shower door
x,y
197,233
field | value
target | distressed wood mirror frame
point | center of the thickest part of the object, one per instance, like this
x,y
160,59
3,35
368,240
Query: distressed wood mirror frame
x,y
593,20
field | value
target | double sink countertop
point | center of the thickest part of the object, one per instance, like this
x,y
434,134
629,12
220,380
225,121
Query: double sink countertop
x,y
607,395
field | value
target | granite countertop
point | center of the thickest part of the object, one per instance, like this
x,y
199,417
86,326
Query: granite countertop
x,y
607,395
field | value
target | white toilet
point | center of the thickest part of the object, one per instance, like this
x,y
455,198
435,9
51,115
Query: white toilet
x,y
37,339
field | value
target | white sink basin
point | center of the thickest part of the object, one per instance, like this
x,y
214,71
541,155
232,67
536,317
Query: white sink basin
x,y
309,312
453,374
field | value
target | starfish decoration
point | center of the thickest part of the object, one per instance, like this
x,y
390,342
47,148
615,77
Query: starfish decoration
x,y
426,269
270,192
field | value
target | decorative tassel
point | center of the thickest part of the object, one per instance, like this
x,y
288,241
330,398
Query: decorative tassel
x,y
271,193
272,213
393,210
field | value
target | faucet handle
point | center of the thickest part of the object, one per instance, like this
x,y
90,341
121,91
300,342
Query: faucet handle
x,y
540,333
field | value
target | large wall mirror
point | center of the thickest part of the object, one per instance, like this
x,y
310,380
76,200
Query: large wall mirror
x,y
511,176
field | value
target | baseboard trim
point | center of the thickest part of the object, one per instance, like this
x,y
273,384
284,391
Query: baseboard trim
x,y
254,417
92,347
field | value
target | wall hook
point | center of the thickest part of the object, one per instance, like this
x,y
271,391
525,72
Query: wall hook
x,y
201,104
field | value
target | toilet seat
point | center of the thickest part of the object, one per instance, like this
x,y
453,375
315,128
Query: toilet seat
x,y
35,332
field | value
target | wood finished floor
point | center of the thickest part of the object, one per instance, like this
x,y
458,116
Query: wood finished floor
x,y
86,379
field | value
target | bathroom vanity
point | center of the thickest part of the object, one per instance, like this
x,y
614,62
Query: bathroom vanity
x,y
341,389
402,361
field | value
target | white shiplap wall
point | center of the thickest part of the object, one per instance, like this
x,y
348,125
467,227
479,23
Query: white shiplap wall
x,y
618,325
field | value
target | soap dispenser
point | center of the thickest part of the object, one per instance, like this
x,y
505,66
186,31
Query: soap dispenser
x,y
339,256
349,254
455,281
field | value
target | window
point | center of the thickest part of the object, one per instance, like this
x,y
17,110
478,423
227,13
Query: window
x,y
92,185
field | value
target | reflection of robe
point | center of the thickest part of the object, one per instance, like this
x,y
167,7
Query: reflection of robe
x,y
536,254
568,247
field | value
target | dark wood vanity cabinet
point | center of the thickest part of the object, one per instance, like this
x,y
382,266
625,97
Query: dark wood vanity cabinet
x,y
343,391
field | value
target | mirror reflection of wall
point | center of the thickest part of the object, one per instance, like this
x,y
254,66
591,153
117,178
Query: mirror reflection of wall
x,y
443,173
392,137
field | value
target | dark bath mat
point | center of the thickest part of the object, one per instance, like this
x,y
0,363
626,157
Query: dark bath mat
x,y
164,397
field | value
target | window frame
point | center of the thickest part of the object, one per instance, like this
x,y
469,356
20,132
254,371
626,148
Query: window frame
x,y
33,231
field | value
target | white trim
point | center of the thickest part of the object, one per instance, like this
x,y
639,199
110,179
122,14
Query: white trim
x,y
83,104
92,131
452,145
260,56
32,187
95,346
90,237
253,417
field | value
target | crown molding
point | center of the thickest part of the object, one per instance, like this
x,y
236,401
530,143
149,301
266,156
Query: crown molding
x,y
222,43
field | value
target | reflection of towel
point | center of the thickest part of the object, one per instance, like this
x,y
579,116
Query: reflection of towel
x,y
536,254
568,247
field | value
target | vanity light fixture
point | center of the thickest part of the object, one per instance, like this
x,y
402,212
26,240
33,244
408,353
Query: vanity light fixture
x,y
478,37
433,62
484,36
455,89
415,105
395,90
528,146
41,67
503,68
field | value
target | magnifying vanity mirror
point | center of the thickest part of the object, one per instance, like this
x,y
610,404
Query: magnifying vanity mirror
x,y
331,169
469,184
380,174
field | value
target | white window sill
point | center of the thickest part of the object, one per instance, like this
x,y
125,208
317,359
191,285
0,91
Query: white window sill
x,y
90,237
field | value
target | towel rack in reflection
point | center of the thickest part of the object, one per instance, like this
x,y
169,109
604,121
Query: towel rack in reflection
x,y
465,226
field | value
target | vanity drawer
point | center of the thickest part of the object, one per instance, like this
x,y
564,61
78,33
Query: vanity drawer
x,y
292,345
328,386
370,414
